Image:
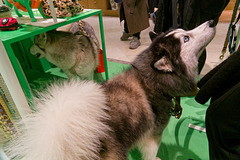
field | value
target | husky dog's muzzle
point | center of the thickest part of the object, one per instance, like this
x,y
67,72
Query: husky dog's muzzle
x,y
206,33
206,30
199,37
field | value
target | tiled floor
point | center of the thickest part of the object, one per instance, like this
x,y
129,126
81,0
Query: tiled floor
x,y
119,50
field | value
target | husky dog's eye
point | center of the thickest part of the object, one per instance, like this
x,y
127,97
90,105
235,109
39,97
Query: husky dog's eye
x,y
186,39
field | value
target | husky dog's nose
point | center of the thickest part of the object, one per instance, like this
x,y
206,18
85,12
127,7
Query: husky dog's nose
x,y
212,23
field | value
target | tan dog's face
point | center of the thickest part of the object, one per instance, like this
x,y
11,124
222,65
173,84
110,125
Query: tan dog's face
x,y
38,49
41,40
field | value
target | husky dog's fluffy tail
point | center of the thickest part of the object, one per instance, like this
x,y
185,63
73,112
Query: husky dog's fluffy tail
x,y
67,126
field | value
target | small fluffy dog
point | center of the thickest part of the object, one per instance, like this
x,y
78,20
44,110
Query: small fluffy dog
x,y
75,51
79,120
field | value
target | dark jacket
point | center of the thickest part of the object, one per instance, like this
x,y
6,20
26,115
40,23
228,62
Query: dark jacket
x,y
222,85
191,13
220,79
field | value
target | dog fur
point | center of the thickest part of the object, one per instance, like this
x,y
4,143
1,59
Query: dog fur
x,y
76,54
87,121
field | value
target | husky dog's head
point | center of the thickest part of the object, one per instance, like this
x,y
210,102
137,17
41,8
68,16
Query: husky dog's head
x,y
173,56
38,49
56,39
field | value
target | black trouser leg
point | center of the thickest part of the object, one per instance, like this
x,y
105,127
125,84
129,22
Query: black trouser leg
x,y
223,126
201,61
137,35
124,20
126,26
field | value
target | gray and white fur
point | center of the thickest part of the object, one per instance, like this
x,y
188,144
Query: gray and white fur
x,y
72,49
87,121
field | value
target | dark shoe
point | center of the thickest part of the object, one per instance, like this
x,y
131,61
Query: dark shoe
x,y
125,36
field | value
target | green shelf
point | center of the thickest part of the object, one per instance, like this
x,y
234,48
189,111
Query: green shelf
x,y
16,45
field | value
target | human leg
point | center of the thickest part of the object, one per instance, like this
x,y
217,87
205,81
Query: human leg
x,y
125,34
223,127
201,61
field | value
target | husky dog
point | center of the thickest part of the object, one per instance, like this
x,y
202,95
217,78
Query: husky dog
x,y
79,120
74,52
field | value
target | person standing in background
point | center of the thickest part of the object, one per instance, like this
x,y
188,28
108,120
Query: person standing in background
x,y
135,15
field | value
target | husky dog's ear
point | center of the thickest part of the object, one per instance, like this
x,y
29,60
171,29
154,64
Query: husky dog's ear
x,y
152,35
164,64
